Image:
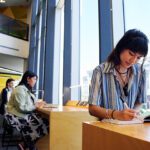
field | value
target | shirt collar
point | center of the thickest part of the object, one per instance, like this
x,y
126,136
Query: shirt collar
x,y
109,68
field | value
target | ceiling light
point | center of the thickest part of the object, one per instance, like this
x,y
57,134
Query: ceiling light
x,y
2,1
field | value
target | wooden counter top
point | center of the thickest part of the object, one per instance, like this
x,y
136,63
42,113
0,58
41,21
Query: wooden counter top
x,y
105,136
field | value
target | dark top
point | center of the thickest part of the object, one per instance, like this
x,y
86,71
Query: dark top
x,y
3,100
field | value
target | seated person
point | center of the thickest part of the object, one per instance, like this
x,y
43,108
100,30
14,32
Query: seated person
x,y
118,86
5,95
21,112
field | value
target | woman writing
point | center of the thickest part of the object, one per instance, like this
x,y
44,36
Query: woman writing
x,y
21,112
119,85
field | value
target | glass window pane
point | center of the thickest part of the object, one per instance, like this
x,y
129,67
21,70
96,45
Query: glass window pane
x,y
137,14
13,27
89,43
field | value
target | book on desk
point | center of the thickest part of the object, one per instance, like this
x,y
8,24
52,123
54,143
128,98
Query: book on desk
x,y
143,116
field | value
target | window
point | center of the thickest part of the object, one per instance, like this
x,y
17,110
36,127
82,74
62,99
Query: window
x,y
137,14
89,43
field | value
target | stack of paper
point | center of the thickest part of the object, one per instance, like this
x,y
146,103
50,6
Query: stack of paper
x,y
115,121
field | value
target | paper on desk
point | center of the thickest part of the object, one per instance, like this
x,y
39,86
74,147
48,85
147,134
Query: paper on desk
x,y
120,122
50,106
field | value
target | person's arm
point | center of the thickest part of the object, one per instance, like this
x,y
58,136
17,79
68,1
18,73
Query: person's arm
x,y
101,113
40,104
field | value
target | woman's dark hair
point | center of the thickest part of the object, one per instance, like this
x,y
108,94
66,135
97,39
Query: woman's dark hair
x,y
8,81
134,40
27,74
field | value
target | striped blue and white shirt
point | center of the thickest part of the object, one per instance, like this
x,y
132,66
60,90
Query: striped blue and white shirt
x,y
105,89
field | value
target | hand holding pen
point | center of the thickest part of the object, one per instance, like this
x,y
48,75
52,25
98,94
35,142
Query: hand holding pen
x,y
125,114
133,113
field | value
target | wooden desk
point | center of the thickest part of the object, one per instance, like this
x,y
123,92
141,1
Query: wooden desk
x,y
65,128
105,136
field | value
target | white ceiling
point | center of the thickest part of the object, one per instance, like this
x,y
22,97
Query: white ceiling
x,y
15,3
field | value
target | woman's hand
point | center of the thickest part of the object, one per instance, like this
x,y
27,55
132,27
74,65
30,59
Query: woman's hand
x,y
126,114
40,104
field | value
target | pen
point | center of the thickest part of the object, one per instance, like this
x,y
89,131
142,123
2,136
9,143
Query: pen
x,y
125,104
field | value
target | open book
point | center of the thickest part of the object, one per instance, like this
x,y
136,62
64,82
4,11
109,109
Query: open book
x,y
143,116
